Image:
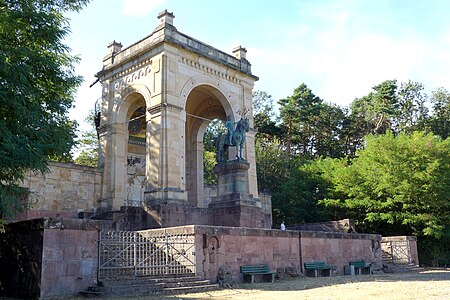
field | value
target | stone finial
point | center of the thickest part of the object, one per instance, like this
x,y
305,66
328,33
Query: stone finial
x,y
239,52
166,17
114,47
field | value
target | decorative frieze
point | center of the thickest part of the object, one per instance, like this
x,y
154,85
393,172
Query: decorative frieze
x,y
208,70
123,80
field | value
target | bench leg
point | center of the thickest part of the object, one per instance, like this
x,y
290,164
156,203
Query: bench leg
x,y
252,278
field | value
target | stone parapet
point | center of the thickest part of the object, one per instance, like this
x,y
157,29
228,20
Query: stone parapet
x,y
166,32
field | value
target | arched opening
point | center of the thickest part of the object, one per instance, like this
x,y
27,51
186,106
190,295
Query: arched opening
x,y
204,104
136,150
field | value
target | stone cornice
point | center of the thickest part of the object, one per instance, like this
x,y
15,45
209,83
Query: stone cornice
x,y
233,165
163,106
153,44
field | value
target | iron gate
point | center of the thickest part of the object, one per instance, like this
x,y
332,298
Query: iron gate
x,y
145,253
397,252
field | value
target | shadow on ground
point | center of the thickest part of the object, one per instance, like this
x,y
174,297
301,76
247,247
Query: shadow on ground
x,y
308,283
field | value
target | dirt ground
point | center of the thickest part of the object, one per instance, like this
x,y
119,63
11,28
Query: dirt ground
x,y
425,284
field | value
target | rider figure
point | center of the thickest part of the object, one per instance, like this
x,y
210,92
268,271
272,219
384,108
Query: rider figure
x,y
230,127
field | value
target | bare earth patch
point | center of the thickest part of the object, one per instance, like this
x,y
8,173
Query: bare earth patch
x,y
427,284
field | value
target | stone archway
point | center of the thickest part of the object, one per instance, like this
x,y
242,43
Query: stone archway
x,y
182,83
202,105
122,155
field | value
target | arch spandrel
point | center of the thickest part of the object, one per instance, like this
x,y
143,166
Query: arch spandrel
x,y
127,97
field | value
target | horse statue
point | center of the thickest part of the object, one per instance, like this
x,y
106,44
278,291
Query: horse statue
x,y
234,138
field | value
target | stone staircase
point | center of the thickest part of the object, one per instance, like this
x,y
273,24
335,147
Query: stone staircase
x,y
150,285
401,268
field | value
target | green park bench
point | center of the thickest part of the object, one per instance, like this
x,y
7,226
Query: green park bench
x,y
315,267
361,267
260,270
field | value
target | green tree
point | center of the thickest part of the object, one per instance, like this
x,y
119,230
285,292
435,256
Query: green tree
x,y
440,120
313,128
300,115
413,113
88,144
383,105
297,199
272,164
329,132
396,185
214,129
37,85
264,116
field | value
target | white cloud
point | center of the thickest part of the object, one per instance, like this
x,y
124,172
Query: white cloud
x,y
137,8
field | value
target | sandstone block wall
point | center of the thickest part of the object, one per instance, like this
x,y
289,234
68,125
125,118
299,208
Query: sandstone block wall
x,y
65,190
45,258
233,247
337,249
69,261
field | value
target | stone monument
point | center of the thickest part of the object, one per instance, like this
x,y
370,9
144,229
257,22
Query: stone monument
x,y
158,95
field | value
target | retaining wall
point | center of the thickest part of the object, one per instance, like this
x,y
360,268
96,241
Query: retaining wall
x,y
233,247
58,257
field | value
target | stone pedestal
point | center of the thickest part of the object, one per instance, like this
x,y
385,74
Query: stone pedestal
x,y
234,206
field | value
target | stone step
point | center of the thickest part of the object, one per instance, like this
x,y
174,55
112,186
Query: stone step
x,y
93,291
400,268
157,285
193,289
175,284
149,280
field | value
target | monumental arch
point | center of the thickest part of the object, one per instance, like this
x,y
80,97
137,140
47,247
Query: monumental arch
x,y
158,97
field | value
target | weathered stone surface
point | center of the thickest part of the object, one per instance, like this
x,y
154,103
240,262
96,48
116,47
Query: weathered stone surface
x,y
63,192
224,277
182,83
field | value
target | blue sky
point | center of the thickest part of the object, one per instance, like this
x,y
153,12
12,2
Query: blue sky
x,y
339,48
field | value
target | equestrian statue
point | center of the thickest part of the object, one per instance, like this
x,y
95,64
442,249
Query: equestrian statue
x,y
233,137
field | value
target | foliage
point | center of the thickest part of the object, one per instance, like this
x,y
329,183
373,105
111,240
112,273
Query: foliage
x,y
37,84
214,129
88,144
440,121
297,198
413,113
264,116
273,164
312,127
396,185
435,252
209,161
300,115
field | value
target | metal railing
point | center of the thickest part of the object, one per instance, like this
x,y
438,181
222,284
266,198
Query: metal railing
x,y
145,253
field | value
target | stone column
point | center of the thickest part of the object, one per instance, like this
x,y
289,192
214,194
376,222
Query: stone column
x,y
165,169
113,139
